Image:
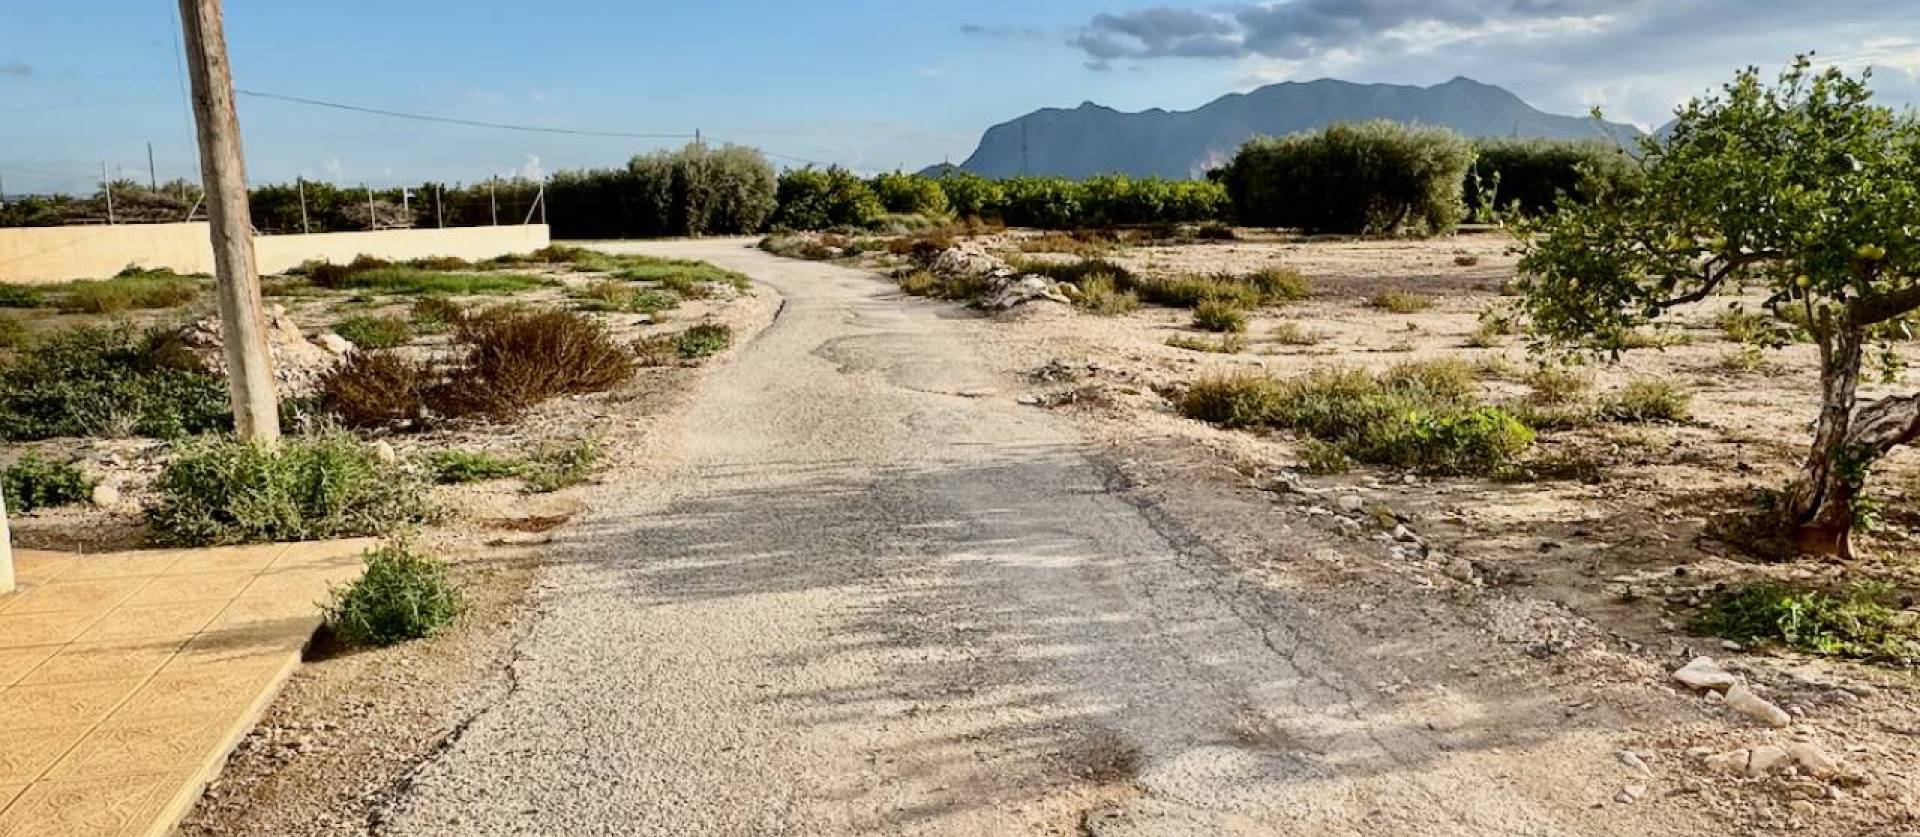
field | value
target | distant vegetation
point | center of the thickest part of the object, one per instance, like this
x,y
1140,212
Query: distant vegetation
x,y
1370,178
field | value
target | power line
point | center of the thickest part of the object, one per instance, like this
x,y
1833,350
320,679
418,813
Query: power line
x,y
472,123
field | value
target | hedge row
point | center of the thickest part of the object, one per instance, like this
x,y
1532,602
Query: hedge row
x,y
1368,178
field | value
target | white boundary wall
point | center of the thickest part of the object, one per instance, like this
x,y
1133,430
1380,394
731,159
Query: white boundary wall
x,y
55,254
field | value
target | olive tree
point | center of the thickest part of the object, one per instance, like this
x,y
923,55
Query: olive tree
x,y
1803,189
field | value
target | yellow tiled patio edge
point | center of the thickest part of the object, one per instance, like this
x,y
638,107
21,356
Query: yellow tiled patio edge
x,y
126,679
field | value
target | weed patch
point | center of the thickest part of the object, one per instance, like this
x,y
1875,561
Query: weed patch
x,y
35,482
1647,400
105,381
1294,334
402,595
374,390
1400,302
1853,623
704,340
375,332
226,491
1219,316
1227,344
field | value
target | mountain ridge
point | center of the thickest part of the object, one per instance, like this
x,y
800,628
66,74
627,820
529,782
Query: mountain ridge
x,y
1093,139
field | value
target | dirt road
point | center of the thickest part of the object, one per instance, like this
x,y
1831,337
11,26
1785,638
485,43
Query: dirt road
x,y
864,591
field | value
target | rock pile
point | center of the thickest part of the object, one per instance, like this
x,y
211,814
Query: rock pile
x,y
298,363
1006,288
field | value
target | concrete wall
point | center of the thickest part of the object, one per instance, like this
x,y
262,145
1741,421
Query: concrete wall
x,y
55,254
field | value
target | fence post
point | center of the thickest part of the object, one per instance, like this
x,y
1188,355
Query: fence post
x,y
493,201
302,183
371,223
107,186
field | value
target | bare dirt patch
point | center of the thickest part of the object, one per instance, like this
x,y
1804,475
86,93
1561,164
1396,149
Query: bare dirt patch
x,y
1562,599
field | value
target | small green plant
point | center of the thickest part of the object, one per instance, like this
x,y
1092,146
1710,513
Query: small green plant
x,y
1280,284
1746,359
221,491
105,381
1558,385
1325,458
703,340
22,296
612,295
14,333
35,482
131,290
1220,316
369,331
1294,334
1227,344
1400,302
1853,623
435,314
1241,400
369,274
560,468
1101,294
455,466
1647,400
402,595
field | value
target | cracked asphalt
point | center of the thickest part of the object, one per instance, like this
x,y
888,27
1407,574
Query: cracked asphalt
x,y
865,592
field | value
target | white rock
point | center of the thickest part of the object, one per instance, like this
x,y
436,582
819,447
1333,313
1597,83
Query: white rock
x,y
1744,701
1704,673
1460,569
1733,762
1633,762
1813,760
105,495
1351,503
1766,759
1629,794
334,343
385,452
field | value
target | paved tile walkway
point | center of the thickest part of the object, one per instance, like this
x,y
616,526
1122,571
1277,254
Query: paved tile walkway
x,y
125,679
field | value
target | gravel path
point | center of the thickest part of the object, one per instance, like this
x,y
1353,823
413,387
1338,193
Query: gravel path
x,y
867,594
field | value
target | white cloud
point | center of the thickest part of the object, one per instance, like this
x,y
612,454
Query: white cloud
x,y
531,169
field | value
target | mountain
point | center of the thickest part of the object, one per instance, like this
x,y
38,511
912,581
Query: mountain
x,y
1092,139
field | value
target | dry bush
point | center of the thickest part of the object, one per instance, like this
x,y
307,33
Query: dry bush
x,y
376,390
517,358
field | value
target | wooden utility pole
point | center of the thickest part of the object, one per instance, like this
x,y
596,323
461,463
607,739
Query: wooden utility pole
x,y
223,172
6,552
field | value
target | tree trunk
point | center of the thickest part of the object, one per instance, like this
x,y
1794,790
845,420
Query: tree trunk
x,y
1819,506
1846,443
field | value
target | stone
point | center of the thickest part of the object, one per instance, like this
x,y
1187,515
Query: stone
x,y
1744,701
1767,758
966,261
1704,673
1011,292
1351,503
1731,762
1813,760
383,451
298,364
1630,794
334,344
1460,569
105,495
1803,807
1633,762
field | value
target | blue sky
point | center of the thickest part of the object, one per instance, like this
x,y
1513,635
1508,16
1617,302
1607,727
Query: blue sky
x,y
871,84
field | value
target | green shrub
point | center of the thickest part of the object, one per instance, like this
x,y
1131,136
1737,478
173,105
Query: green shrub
x,y
555,469
972,196
105,381
1400,302
1219,316
699,189
1242,400
402,595
375,332
1647,400
1532,176
1317,457
14,333
1558,385
1101,295
127,292
819,199
679,273
1280,284
435,314
412,281
1294,334
910,194
1853,623
614,295
1366,178
703,340
1421,416
1227,344
1191,291
221,491
22,296
34,482
458,467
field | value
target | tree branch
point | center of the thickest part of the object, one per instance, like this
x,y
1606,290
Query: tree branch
x,y
1712,278
1886,424
1879,308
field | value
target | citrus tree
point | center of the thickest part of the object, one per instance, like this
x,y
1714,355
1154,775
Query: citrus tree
x,y
1804,189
